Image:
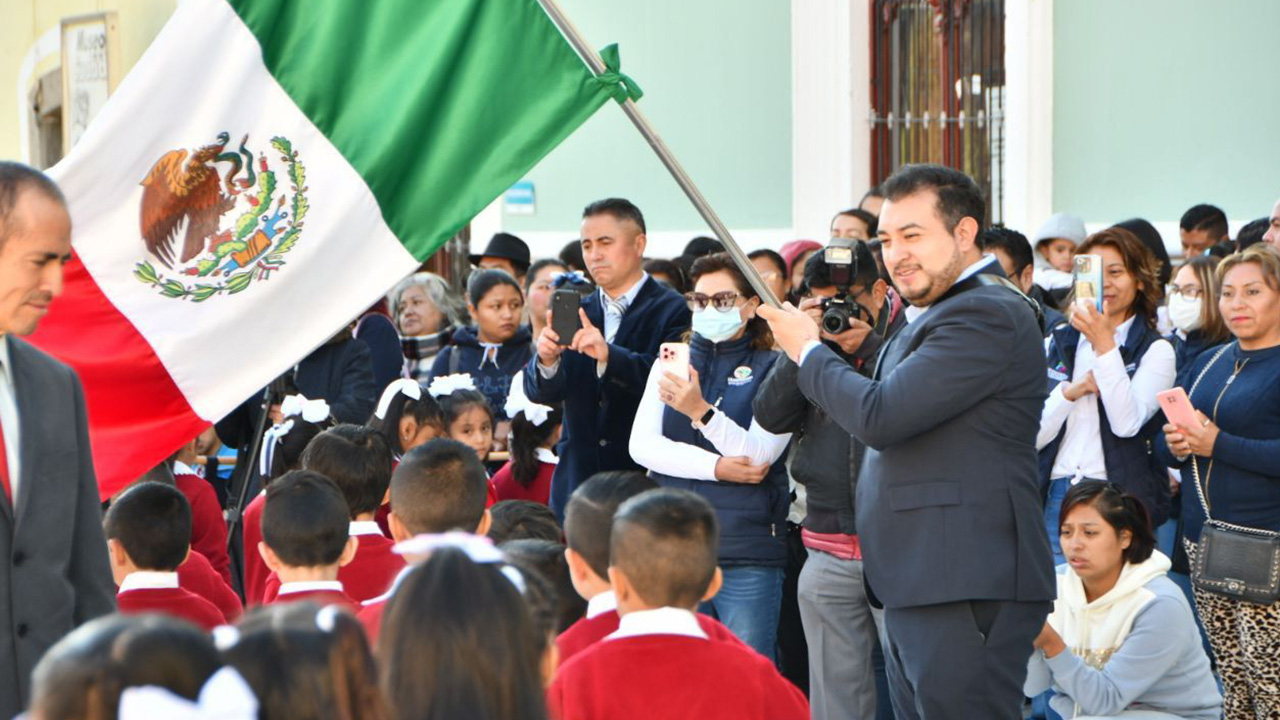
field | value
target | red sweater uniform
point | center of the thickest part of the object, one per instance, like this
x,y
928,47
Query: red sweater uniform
x,y
208,528
198,576
504,481
255,570
370,615
321,593
602,620
660,664
158,592
369,574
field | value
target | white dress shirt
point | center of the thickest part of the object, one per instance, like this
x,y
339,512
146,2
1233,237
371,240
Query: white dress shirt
x,y
148,580
601,604
1129,404
363,527
650,448
662,621
9,418
290,588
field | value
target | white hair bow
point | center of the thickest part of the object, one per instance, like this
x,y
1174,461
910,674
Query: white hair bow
x,y
225,696
449,384
520,403
478,548
405,386
272,437
313,411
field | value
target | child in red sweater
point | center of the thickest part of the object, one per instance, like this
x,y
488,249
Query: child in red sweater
x,y
660,662
306,539
148,529
587,526
437,487
535,430
358,461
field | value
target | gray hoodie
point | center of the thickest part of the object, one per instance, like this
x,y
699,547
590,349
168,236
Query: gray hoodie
x,y
1134,648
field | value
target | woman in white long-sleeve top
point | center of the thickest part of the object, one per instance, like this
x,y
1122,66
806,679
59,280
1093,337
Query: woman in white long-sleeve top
x,y
1121,641
1105,369
699,435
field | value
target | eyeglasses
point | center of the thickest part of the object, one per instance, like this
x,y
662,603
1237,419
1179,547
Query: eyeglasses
x,y
1190,292
722,301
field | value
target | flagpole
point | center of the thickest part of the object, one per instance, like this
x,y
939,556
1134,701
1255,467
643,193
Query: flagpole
x,y
593,61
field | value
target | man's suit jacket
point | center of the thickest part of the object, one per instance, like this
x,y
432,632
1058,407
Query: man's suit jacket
x,y
54,569
948,506
599,411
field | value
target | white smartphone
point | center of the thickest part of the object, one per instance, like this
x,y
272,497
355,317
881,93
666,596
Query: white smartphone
x,y
675,359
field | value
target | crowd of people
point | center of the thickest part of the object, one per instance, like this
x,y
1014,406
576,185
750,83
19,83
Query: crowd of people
x,y
849,507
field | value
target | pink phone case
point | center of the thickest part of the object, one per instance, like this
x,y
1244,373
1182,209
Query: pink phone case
x,y
675,359
1177,407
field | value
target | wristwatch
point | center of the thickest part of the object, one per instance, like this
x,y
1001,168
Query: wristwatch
x,y
706,418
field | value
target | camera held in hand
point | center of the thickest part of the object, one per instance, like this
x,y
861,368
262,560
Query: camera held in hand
x,y
839,311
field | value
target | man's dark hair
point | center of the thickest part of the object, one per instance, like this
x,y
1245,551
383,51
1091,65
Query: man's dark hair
x,y
871,221
1013,243
702,245
670,268
522,520
1252,232
14,179
666,543
571,256
305,521
1207,218
959,196
588,517
547,558
357,460
152,521
818,274
439,486
619,208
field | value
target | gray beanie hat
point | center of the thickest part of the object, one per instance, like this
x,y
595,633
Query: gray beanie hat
x,y
1061,226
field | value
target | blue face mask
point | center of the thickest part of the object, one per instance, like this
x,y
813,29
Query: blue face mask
x,y
715,325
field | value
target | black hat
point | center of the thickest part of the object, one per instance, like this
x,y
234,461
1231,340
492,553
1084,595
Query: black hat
x,y
507,246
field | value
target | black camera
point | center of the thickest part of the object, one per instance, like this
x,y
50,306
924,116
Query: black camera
x,y
842,265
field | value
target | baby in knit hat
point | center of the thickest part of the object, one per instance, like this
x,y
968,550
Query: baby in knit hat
x,y
1055,244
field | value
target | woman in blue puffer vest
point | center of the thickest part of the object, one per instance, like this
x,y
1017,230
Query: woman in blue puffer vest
x,y
699,435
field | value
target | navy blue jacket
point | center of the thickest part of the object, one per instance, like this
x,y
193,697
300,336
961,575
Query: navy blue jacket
x,y
1245,484
752,517
599,411
1129,461
1186,350
465,354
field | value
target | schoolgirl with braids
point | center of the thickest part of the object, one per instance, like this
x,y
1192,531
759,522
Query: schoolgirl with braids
x,y
407,416
535,431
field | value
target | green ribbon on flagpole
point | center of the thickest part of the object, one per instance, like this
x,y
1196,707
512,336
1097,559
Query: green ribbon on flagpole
x,y
620,84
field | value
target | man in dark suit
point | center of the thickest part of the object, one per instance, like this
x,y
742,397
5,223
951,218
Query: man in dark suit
x,y
602,375
948,505
54,572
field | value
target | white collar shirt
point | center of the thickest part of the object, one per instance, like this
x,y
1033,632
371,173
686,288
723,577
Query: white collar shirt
x,y
661,621
9,419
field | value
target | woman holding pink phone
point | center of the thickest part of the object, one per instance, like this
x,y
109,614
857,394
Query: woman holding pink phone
x,y
1233,448
1104,371
695,431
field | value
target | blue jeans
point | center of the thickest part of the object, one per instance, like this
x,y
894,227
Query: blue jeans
x,y
1053,514
748,604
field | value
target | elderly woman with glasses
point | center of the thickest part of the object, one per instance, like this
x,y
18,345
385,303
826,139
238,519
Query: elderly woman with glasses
x,y
696,432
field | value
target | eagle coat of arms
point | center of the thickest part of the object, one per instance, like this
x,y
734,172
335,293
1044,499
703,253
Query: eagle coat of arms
x,y
213,223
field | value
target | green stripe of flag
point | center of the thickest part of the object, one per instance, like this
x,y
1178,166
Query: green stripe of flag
x,y
440,105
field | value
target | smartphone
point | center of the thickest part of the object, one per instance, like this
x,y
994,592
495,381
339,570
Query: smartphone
x,y
1177,407
1087,279
564,314
675,359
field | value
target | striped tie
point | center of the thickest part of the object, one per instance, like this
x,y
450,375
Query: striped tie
x,y
613,311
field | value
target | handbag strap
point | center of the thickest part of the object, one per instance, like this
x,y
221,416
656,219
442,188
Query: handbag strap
x,y
1195,466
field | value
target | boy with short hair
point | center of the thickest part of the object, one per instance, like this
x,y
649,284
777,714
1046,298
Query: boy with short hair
x,y
660,662
306,539
148,529
588,521
358,461
437,487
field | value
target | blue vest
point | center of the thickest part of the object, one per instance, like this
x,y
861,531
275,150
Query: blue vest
x,y
751,517
1130,462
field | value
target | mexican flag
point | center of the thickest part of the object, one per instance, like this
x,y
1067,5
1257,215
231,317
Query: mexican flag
x,y
267,171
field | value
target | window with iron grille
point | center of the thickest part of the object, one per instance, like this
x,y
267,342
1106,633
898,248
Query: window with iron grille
x,y
937,89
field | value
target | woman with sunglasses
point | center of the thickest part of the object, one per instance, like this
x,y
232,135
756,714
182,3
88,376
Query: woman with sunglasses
x,y
698,434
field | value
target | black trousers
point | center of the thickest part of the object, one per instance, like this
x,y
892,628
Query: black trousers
x,y
961,661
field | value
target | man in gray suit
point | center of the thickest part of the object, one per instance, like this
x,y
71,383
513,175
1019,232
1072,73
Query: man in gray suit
x,y
54,572
948,507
